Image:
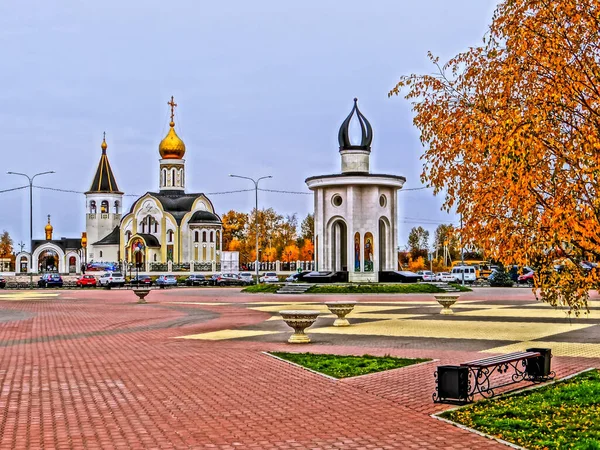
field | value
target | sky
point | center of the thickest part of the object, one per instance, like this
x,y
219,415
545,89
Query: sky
x,y
262,88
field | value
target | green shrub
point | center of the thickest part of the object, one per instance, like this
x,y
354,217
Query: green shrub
x,y
501,279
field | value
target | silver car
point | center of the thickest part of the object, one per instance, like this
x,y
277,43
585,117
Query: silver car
x,y
246,277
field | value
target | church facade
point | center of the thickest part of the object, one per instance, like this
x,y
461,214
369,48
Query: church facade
x,y
169,226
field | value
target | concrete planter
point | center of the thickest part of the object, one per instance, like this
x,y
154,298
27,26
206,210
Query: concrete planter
x,y
141,293
299,320
446,300
341,309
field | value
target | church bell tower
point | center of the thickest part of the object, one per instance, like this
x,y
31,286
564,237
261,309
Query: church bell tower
x,y
104,204
172,164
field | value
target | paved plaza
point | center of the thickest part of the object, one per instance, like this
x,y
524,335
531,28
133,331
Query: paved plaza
x,y
93,369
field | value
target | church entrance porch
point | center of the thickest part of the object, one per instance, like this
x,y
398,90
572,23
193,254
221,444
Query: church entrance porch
x,y
48,261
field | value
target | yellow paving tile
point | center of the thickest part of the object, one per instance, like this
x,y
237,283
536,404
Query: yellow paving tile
x,y
547,313
26,295
200,303
227,334
362,316
583,350
282,306
455,329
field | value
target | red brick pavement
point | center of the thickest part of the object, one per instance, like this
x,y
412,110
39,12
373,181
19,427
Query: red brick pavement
x,y
98,371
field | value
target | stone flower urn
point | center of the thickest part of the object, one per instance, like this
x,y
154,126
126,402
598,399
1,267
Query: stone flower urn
x,y
141,293
299,320
341,309
446,300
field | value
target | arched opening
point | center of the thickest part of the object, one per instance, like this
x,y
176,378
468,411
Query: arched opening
x,y
72,264
170,236
164,177
204,236
173,177
339,246
383,244
117,206
218,244
212,236
93,207
23,264
196,236
155,225
100,253
128,236
104,207
48,261
368,252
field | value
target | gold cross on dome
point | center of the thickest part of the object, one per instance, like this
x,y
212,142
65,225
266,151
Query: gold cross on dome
x,y
172,104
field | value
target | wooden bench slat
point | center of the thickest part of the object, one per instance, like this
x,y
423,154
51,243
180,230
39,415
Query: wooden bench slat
x,y
496,360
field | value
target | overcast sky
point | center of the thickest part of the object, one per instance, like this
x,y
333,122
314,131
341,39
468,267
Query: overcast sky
x,y
262,88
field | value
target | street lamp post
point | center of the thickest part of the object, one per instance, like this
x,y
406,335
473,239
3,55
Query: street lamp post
x,y
30,179
255,212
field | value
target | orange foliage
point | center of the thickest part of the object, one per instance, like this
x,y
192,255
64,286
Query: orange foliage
x,y
307,252
512,136
290,253
417,264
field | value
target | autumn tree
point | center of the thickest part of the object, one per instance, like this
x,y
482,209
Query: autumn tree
x,y
234,227
6,245
418,242
511,130
307,250
307,228
291,253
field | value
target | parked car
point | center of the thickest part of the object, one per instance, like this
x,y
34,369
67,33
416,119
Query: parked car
x,y
247,277
526,278
166,280
212,281
269,277
399,276
466,273
196,280
445,277
50,280
230,279
297,276
141,280
427,275
111,279
86,280
2,283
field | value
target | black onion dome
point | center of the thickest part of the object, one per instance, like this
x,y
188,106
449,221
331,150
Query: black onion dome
x,y
365,127
204,216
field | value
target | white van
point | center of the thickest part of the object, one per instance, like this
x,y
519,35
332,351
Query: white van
x,y
467,272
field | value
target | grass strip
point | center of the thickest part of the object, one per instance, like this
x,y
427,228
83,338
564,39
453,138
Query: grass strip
x,y
375,288
262,288
565,415
344,366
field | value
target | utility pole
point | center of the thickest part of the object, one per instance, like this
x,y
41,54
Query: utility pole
x,y
255,213
30,179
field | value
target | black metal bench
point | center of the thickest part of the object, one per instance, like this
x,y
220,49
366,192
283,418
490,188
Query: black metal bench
x,y
460,384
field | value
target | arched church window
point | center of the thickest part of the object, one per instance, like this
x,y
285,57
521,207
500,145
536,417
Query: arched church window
x,y
155,257
173,176
143,226
93,207
170,235
128,235
100,253
212,236
104,207
156,226
204,236
117,205
164,177
196,236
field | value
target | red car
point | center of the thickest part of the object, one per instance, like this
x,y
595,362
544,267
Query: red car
x,y
526,278
86,280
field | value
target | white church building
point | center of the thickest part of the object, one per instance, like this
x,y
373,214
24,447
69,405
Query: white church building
x,y
355,214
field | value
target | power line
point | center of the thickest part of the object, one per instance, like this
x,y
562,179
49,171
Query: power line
x,y
71,191
285,192
13,189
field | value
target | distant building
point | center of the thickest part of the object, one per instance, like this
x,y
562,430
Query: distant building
x,y
356,225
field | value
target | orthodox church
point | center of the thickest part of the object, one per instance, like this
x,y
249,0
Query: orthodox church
x,y
165,227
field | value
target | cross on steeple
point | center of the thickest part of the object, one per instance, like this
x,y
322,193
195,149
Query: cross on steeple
x,y
172,104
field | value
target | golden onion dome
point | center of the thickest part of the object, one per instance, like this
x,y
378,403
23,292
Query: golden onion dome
x,y
48,229
171,147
